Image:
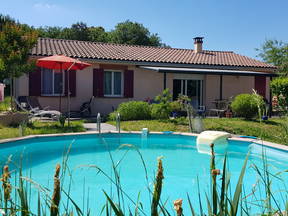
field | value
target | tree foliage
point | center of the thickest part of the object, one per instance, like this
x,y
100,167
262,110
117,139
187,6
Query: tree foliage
x,y
276,53
134,33
16,41
127,32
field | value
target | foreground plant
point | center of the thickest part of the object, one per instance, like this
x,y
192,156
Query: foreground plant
x,y
178,207
56,193
6,187
157,189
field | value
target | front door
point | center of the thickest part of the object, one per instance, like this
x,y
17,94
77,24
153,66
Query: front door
x,y
191,88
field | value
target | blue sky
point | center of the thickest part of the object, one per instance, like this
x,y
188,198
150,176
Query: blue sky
x,y
239,26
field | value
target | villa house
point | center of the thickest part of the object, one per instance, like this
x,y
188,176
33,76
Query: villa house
x,y
127,72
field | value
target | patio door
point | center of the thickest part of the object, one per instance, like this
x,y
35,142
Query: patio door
x,y
192,88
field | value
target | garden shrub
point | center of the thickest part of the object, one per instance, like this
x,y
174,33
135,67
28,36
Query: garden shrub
x,y
176,106
160,111
163,109
279,87
244,106
132,110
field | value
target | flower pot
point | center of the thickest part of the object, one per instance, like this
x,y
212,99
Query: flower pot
x,y
264,118
228,114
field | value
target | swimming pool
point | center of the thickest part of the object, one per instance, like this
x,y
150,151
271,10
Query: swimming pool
x,y
183,165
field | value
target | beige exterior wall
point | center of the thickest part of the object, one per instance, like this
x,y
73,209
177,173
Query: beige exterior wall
x,y
231,87
22,87
234,85
147,84
212,92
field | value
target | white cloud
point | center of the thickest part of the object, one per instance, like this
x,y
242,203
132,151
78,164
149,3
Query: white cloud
x,y
44,6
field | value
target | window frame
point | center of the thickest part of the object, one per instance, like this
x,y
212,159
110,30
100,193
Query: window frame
x,y
112,84
184,88
53,83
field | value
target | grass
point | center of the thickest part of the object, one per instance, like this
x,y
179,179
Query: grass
x,y
41,128
271,130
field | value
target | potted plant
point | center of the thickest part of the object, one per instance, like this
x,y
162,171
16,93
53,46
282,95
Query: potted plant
x,y
265,112
228,114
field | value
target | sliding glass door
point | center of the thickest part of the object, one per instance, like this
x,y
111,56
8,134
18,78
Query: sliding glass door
x,y
192,88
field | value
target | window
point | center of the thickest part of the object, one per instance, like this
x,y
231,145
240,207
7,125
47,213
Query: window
x,y
113,83
52,82
192,88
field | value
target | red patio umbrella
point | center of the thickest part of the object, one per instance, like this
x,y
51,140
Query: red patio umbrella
x,y
61,62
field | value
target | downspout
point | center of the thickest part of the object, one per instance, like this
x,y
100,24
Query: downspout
x,y
221,86
164,80
270,99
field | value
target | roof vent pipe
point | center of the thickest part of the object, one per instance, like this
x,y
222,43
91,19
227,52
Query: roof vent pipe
x,y
198,42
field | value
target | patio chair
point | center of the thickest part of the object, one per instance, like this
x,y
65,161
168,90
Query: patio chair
x,y
34,103
23,101
201,111
221,107
36,112
84,111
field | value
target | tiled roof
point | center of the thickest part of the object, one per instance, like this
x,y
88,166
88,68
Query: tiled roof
x,y
106,51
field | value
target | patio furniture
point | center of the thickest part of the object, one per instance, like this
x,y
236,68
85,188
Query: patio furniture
x,y
31,103
85,110
23,101
221,106
36,112
201,111
34,103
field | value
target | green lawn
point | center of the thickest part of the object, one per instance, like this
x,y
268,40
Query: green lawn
x,y
271,130
41,128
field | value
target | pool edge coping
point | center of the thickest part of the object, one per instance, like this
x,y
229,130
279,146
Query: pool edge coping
x,y
234,137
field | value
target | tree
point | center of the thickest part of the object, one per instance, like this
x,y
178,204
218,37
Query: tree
x,y
275,52
50,32
98,34
127,32
16,41
134,33
79,31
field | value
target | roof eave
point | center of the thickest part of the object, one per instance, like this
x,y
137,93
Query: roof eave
x,y
163,64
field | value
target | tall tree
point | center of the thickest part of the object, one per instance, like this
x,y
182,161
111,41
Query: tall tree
x,y
16,41
50,32
135,34
127,32
276,53
79,31
98,34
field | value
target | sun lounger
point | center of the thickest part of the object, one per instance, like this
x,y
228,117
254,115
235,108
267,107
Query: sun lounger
x,y
36,112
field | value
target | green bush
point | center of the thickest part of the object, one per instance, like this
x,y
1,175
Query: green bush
x,y
160,111
244,105
5,105
176,106
164,107
132,110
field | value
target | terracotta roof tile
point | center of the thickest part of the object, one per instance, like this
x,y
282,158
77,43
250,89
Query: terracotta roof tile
x,y
106,51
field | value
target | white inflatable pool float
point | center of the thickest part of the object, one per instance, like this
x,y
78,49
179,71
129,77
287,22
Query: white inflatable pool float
x,y
218,138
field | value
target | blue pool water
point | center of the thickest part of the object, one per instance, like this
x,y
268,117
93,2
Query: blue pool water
x,y
182,166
